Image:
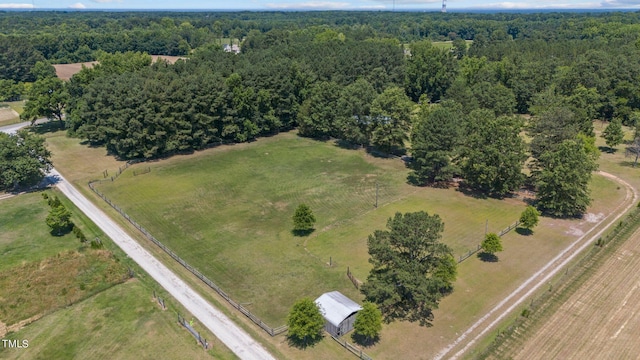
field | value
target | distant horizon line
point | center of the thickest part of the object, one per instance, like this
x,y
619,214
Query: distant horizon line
x,y
449,10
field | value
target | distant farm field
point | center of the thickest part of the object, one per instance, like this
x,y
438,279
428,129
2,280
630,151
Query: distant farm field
x,y
66,71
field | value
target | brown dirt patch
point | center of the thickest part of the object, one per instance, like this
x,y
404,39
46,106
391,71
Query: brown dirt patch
x,y
66,71
8,114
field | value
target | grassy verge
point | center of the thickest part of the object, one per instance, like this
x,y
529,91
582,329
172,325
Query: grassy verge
x,y
122,322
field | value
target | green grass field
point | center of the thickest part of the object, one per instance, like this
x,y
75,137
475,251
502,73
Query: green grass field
x,y
43,273
25,237
231,218
122,322
228,213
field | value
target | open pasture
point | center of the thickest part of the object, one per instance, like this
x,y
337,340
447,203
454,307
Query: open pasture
x,y
262,265
227,211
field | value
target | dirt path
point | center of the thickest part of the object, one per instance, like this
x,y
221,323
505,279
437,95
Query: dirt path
x,y
487,323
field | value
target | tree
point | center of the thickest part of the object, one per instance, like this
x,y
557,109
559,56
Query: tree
x,y
305,322
368,322
48,97
24,160
563,181
429,70
493,154
491,244
434,140
391,119
529,217
59,219
303,219
613,133
411,267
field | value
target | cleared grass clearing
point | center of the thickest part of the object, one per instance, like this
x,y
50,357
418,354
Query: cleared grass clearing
x,y
122,322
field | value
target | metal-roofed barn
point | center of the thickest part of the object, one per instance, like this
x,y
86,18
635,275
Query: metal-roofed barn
x,y
339,312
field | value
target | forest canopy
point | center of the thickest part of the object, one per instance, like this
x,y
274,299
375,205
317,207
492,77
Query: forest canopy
x,y
382,80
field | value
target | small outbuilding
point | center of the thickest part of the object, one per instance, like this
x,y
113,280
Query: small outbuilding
x,y
339,312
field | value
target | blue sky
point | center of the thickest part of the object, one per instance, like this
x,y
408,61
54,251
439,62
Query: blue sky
x,y
429,5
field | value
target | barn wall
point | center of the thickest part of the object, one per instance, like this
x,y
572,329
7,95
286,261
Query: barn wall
x,y
347,324
330,328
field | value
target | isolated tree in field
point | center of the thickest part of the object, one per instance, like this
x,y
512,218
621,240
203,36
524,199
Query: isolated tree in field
x,y
529,218
613,133
305,323
303,219
411,267
24,160
368,322
59,219
491,244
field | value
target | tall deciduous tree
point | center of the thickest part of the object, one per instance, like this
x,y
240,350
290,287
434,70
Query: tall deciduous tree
x,y
391,118
563,181
613,133
24,159
305,322
368,322
429,70
48,97
411,267
493,153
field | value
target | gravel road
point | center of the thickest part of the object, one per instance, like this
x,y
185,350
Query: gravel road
x,y
489,321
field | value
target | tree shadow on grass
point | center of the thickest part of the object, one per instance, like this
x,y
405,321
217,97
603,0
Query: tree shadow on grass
x,y
608,150
486,257
47,127
303,343
306,232
524,231
364,340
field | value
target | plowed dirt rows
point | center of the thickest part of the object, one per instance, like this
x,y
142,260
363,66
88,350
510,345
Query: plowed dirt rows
x,y
600,320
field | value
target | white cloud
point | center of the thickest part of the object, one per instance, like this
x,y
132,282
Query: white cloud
x,y
507,5
400,2
77,6
106,1
16,6
311,5
621,3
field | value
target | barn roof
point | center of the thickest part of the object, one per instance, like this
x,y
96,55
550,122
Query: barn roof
x,y
336,307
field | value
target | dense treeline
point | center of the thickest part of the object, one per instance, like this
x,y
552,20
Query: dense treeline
x,y
329,77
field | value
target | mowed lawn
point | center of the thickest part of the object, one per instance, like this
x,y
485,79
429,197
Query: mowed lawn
x,y
227,211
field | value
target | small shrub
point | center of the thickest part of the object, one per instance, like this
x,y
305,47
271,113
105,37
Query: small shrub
x,y
525,313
